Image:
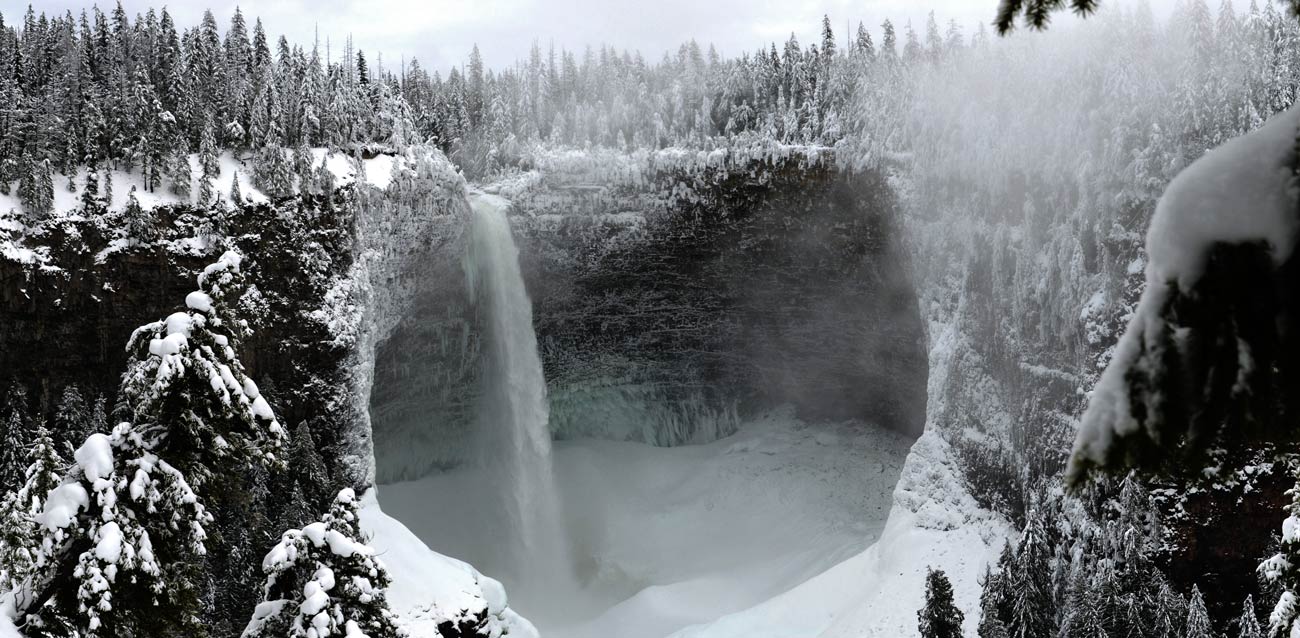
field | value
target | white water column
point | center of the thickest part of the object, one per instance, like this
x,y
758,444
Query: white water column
x,y
514,436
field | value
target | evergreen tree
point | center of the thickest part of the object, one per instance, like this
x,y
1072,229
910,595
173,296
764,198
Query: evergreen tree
x,y
940,617
933,41
272,171
178,173
323,580
15,438
236,197
888,42
864,44
993,599
140,224
828,39
1032,609
72,418
36,189
207,191
304,488
90,194
99,415
1248,622
124,539
106,184
1198,619
20,535
208,162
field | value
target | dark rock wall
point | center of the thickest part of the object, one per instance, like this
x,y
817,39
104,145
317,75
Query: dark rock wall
x,y
70,324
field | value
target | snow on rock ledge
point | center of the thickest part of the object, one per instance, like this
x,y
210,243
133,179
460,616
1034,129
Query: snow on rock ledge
x,y
429,589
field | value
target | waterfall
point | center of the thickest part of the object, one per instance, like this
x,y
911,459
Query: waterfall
x,y
514,435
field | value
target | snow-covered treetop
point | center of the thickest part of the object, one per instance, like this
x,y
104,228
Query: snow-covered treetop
x,y
1243,191
222,409
323,580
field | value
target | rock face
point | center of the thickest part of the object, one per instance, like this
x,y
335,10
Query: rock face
x,y
68,319
670,300
326,274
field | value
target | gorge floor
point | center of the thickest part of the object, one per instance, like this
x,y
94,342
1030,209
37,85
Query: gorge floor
x,y
665,538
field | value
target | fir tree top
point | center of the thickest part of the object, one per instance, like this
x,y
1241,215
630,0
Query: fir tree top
x,y
323,577
187,384
940,618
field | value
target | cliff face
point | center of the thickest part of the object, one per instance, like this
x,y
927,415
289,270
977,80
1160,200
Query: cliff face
x,y
67,318
670,299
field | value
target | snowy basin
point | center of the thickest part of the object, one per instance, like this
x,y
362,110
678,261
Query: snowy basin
x,y
666,538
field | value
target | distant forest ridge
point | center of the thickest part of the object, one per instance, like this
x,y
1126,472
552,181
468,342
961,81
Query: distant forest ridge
x,y
108,91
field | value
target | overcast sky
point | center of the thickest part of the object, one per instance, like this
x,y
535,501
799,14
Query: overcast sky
x,y
441,32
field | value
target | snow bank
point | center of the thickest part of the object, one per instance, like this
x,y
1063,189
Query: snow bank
x,y
7,629
429,588
378,170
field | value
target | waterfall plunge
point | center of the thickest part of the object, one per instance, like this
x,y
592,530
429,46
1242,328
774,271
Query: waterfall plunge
x,y
514,436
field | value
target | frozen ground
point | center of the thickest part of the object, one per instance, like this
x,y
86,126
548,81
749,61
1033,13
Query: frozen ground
x,y
668,538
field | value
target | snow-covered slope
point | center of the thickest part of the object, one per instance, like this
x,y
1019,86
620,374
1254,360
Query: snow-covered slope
x,y
429,589
875,593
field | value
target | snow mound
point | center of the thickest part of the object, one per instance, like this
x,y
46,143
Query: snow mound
x,y
428,588
875,594
95,457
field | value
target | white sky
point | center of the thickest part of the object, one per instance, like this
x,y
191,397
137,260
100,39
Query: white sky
x,y
441,32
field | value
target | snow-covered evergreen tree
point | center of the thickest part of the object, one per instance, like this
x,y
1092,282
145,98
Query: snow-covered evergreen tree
x,y
15,436
1031,606
993,599
20,535
1198,619
323,580
140,224
72,418
272,172
940,618
178,173
1248,622
124,534
209,165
